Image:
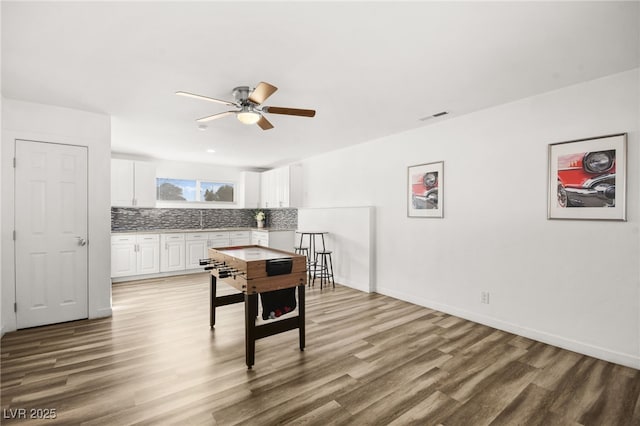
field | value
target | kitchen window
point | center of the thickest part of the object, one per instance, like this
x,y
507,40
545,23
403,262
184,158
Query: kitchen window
x,y
193,190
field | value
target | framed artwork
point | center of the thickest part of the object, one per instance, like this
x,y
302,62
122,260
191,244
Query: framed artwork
x,y
425,187
587,178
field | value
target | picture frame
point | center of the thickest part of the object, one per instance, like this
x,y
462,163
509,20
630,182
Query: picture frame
x,y
425,190
588,178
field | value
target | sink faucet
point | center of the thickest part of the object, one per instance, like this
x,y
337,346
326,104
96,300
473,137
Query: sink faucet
x,y
201,219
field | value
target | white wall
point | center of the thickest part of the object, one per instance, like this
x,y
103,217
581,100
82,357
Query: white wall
x,y
574,284
1,163
350,238
44,123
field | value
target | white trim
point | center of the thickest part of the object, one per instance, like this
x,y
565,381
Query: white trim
x,y
158,275
364,287
628,360
102,313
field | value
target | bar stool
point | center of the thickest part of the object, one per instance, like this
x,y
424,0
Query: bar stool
x,y
324,268
312,257
301,250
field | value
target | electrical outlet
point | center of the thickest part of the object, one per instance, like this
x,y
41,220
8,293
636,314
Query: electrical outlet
x,y
484,297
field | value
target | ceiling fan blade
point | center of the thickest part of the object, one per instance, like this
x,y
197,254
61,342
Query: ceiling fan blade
x,y
289,111
205,98
262,92
214,116
264,123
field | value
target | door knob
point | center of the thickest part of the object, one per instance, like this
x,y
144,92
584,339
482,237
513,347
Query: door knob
x,y
82,241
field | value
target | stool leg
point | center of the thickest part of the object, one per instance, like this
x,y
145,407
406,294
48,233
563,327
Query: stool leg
x,y
331,265
310,258
306,259
315,268
321,266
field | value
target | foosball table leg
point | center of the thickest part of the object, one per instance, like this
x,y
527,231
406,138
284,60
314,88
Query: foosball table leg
x,y
250,309
212,301
301,313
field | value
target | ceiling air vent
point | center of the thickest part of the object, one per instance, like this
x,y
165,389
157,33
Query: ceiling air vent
x,y
436,115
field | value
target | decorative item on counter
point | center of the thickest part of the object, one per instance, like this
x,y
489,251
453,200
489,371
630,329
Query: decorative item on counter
x,y
260,218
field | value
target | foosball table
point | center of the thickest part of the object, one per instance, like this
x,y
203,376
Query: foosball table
x,y
253,270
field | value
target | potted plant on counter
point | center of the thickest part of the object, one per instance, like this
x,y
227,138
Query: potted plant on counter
x,y
260,218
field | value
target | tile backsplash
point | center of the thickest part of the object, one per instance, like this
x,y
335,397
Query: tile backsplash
x,y
151,219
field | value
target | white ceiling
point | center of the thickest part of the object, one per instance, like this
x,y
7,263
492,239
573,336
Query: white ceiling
x,y
370,69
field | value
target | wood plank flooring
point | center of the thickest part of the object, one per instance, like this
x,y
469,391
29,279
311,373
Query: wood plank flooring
x,y
369,360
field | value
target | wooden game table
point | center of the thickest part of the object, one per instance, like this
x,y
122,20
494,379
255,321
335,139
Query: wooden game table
x,y
252,270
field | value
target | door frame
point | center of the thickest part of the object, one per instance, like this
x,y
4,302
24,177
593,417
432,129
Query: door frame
x,y
15,254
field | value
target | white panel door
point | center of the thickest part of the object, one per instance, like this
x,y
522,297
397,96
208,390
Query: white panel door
x,y
51,233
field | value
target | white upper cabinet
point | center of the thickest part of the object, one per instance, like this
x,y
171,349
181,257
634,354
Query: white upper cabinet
x,y
121,183
133,183
144,183
250,189
281,187
267,189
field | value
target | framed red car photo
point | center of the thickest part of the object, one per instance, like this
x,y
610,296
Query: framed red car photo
x,y
425,189
587,178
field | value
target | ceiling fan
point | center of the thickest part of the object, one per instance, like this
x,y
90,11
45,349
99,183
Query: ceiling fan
x,y
250,106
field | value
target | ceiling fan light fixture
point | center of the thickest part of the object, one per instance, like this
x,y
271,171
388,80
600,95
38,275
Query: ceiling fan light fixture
x,y
249,103
247,116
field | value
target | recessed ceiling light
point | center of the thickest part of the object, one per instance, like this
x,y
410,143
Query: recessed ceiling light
x,y
211,151
202,127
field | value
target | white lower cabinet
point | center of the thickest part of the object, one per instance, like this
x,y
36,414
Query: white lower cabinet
x,y
148,258
260,238
196,248
133,254
281,240
239,238
123,255
172,254
138,254
218,239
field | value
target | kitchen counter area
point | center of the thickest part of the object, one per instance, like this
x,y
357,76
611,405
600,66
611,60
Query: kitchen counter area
x,y
156,242
175,230
157,253
124,219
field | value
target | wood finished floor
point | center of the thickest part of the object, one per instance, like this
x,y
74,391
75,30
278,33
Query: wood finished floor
x,y
369,360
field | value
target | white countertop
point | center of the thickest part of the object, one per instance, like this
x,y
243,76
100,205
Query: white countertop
x,y
181,231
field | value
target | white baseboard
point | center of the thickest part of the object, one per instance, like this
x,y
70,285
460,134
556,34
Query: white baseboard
x,y
101,313
364,287
158,275
628,360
